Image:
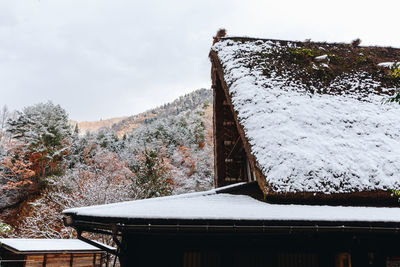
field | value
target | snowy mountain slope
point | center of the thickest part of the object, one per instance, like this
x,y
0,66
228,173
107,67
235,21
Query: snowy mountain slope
x,y
126,124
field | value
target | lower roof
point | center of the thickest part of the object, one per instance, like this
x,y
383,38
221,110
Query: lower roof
x,y
214,205
27,246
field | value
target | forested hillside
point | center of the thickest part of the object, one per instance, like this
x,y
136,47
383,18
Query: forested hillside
x,y
46,166
94,126
125,125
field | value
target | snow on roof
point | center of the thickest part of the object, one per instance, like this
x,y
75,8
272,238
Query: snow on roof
x,y
388,64
211,205
46,245
312,126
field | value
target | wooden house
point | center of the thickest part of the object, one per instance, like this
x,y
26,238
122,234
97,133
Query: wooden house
x,y
49,253
307,155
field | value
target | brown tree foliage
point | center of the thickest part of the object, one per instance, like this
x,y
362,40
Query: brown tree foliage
x,y
16,170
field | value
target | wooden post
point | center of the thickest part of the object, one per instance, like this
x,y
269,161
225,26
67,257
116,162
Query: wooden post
x,y
44,260
107,259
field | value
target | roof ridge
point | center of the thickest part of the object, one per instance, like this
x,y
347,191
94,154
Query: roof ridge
x,y
300,42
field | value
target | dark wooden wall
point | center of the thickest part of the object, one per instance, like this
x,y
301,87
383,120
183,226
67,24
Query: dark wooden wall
x,y
7,255
300,250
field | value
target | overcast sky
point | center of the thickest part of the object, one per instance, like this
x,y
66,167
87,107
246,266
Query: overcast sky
x,y
102,59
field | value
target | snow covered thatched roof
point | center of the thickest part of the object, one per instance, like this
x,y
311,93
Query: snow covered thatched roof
x,y
315,115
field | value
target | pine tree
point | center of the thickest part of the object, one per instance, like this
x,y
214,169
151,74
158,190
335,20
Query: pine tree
x,y
45,132
151,175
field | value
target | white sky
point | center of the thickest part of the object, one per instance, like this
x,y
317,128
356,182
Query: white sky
x,y
103,58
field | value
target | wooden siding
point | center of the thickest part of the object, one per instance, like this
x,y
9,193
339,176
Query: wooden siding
x,y
251,259
231,162
223,107
199,259
83,260
58,260
34,261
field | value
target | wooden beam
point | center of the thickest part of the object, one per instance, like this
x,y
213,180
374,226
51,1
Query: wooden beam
x,y
228,143
236,143
97,245
231,179
228,123
233,161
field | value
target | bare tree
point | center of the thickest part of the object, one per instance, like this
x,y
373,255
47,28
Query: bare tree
x,y
4,116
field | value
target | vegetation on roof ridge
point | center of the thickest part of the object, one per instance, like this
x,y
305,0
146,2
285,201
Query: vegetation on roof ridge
x,y
282,41
319,65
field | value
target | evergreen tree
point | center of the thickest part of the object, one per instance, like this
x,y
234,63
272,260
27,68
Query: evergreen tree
x,y
45,132
151,175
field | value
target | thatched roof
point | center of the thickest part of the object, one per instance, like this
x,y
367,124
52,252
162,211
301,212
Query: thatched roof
x,y
315,114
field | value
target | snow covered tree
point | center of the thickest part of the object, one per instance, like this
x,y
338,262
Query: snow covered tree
x,y
108,139
76,129
102,179
185,145
4,115
170,154
152,175
5,139
45,131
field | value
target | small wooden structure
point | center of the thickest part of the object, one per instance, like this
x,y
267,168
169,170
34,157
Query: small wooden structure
x,y
49,253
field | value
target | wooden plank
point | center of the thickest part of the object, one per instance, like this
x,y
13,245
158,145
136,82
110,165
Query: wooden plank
x,y
343,260
83,260
34,260
58,260
228,123
228,142
192,259
298,260
98,260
